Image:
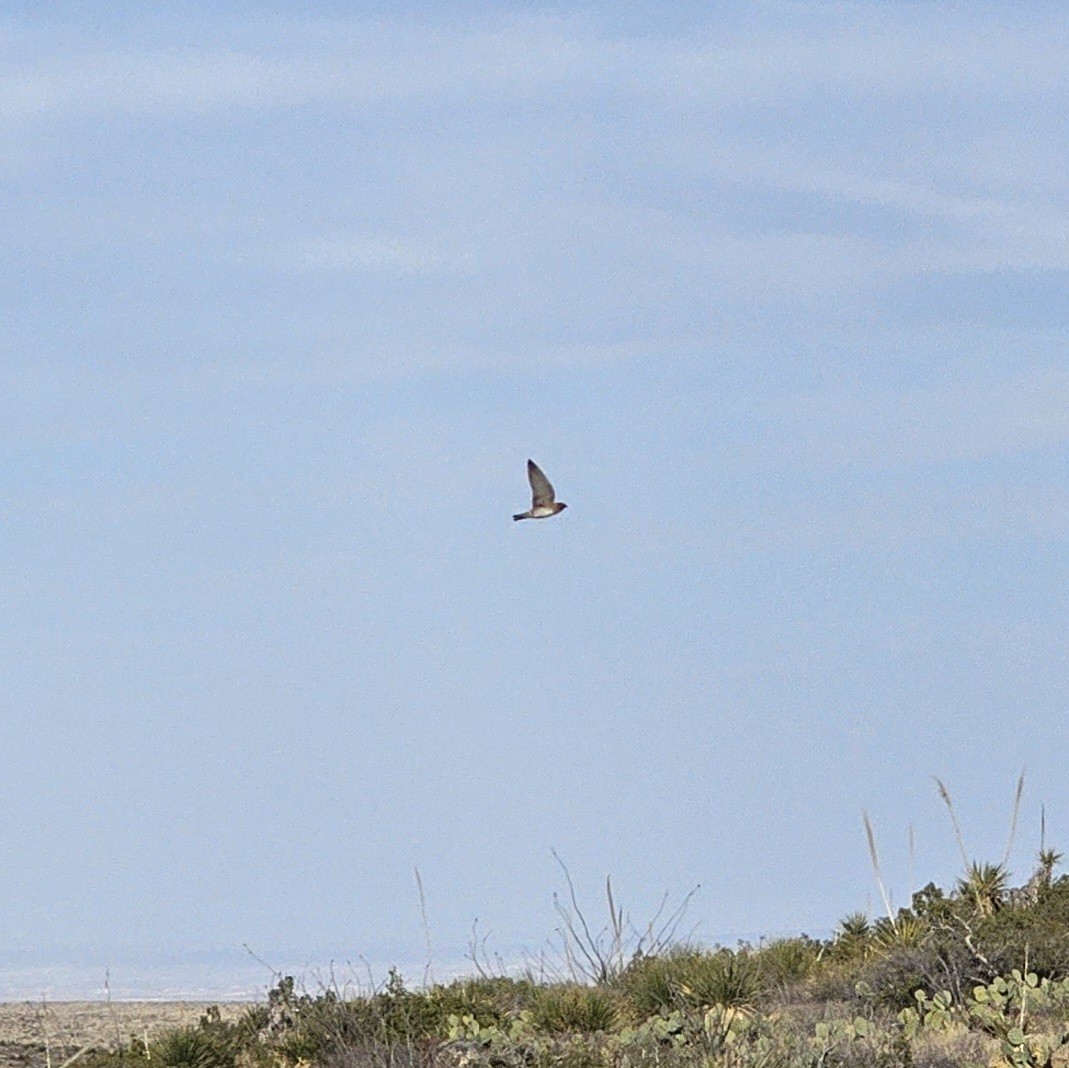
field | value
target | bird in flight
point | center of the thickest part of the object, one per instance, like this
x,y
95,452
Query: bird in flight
x,y
543,499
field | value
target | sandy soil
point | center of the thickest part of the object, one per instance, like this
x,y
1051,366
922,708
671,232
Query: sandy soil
x,y
39,1034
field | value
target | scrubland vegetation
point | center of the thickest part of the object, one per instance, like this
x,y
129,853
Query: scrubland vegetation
x,y
976,974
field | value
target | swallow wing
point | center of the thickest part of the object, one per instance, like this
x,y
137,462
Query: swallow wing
x,y
541,490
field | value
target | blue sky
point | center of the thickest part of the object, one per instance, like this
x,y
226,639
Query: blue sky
x,y
775,293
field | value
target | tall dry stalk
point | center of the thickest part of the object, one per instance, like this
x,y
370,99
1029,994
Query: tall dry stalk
x,y
111,1008
1013,821
875,858
912,865
968,865
944,793
428,968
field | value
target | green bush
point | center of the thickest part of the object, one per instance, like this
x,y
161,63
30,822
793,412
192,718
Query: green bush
x,y
561,1009
1042,928
691,978
786,961
892,979
192,1048
489,1000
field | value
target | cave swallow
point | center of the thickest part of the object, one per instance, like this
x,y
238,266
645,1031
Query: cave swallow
x,y
543,502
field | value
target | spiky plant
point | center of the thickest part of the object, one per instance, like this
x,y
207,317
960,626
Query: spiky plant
x,y
985,886
856,925
1048,859
853,936
908,930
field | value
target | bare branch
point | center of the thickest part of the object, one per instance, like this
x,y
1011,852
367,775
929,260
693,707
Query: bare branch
x,y
603,956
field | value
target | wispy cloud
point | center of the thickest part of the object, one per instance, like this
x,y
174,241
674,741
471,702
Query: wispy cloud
x,y
944,423
355,64
985,221
717,177
962,219
362,63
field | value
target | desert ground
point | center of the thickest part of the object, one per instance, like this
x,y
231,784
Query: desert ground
x,y
40,1034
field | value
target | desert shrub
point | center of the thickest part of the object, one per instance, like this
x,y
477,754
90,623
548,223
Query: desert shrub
x,y
192,1048
892,979
369,1054
573,1051
1041,929
957,1049
392,1023
691,977
492,1000
832,982
212,1043
785,961
396,1014
301,1027
931,903
565,1008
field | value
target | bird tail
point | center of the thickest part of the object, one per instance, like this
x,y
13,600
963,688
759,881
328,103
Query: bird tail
x,y
522,515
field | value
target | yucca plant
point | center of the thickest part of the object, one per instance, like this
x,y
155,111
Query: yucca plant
x,y
907,930
1048,859
191,1048
985,886
853,937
